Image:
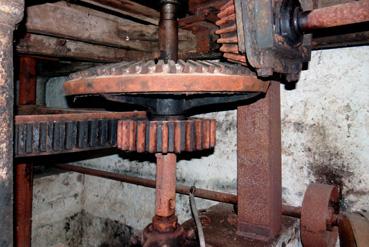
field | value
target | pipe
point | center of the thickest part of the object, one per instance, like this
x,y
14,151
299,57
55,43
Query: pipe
x,y
180,189
165,199
334,16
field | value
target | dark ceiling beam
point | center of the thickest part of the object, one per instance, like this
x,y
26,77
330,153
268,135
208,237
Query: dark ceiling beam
x,y
129,8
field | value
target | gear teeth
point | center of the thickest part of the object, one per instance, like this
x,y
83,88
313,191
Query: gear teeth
x,y
152,67
171,136
228,34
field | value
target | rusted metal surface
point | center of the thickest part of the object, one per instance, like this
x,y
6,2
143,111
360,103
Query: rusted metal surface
x,y
220,228
149,77
166,136
43,110
11,13
353,230
165,184
291,211
229,34
318,216
168,30
63,133
259,166
23,204
202,25
180,189
24,172
153,238
334,16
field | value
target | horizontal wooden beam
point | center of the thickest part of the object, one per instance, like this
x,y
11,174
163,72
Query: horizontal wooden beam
x,y
35,44
65,21
128,8
78,23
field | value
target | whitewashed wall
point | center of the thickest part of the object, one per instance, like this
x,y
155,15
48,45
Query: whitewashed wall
x,y
325,130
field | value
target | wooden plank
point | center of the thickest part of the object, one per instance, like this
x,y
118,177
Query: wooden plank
x,y
41,45
128,8
79,23
63,20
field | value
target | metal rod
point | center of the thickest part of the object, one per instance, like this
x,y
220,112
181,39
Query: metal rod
x,y
165,198
334,16
168,31
180,189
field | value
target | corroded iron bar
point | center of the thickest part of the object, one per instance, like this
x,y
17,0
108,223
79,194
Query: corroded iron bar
x,y
334,16
180,189
23,171
165,184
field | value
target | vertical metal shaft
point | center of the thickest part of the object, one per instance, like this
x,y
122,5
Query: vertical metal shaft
x,y
165,184
168,30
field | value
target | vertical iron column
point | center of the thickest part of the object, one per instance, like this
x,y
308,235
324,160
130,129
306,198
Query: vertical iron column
x,y
24,172
165,184
168,30
165,219
259,167
11,12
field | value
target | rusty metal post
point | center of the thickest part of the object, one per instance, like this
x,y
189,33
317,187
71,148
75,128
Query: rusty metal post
x,y
23,204
24,172
165,184
259,167
168,30
11,13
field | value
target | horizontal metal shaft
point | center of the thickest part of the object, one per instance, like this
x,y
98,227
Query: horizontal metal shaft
x,y
334,16
180,189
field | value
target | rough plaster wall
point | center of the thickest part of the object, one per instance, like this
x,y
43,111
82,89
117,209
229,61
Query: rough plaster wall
x,y
325,124
57,203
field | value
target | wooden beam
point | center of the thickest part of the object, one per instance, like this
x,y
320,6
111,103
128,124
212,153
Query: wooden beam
x,y
128,8
82,24
34,44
